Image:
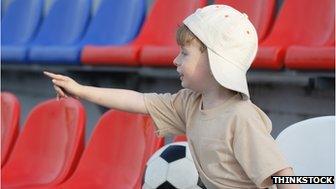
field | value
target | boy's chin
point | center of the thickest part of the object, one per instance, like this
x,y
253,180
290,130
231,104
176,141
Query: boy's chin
x,y
185,86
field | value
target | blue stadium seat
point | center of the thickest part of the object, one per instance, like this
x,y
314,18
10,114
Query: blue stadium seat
x,y
128,17
115,22
64,26
18,27
4,4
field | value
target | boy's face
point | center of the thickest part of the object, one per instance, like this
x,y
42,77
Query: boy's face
x,y
193,67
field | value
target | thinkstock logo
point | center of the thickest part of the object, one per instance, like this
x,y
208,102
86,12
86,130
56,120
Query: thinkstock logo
x,y
303,179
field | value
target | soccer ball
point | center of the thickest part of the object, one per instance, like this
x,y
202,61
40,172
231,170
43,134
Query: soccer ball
x,y
172,167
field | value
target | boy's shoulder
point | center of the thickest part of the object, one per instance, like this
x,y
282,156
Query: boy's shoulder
x,y
242,107
188,94
247,111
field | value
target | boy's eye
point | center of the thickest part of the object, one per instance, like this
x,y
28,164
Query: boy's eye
x,y
183,53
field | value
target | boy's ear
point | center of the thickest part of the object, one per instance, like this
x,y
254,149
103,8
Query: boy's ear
x,y
203,48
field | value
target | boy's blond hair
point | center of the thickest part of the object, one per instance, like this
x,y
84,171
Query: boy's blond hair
x,y
184,37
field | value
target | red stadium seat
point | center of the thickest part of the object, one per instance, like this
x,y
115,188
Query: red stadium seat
x,y
300,22
10,118
160,47
311,58
180,138
49,147
260,12
111,55
117,153
156,39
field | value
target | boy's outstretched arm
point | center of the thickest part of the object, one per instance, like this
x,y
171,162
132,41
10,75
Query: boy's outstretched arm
x,y
121,99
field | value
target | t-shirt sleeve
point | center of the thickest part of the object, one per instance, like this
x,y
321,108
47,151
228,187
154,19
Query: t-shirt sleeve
x,y
168,111
257,152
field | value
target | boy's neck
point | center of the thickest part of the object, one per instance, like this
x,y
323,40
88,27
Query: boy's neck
x,y
215,97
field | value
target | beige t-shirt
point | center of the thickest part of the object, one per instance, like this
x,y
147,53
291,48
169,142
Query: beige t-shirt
x,y
231,144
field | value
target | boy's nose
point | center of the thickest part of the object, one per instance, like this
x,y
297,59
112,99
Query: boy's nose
x,y
175,61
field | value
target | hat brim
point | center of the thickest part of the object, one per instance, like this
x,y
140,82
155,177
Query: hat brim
x,y
228,75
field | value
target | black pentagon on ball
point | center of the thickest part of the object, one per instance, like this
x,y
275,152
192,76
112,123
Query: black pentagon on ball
x,y
173,153
200,183
166,185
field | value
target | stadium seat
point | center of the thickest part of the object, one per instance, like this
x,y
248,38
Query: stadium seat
x,y
260,12
117,153
309,147
159,44
49,147
180,138
299,22
156,39
4,5
10,120
18,28
62,28
312,57
47,5
115,22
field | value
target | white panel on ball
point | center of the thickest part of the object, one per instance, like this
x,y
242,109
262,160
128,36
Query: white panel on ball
x,y
172,167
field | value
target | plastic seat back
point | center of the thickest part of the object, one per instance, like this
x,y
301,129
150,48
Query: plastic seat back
x,y
158,30
10,118
117,153
309,146
303,22
157,41
260,12
304,57
116,22
165,17
4,5
49,146
20,21
65,23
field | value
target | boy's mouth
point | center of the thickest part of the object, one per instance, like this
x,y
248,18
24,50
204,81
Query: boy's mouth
x,y
181,75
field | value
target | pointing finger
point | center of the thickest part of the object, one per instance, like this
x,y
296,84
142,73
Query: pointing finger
x,y
54,76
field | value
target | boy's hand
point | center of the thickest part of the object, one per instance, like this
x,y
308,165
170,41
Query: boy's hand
x,y
120,99
64,85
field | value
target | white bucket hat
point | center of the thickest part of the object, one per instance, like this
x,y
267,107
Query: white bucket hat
x,y
231,41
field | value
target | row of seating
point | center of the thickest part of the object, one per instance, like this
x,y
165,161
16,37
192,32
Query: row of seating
x,y
49,152
300,36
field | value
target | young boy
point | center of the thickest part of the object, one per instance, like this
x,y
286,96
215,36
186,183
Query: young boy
x,y
229,137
